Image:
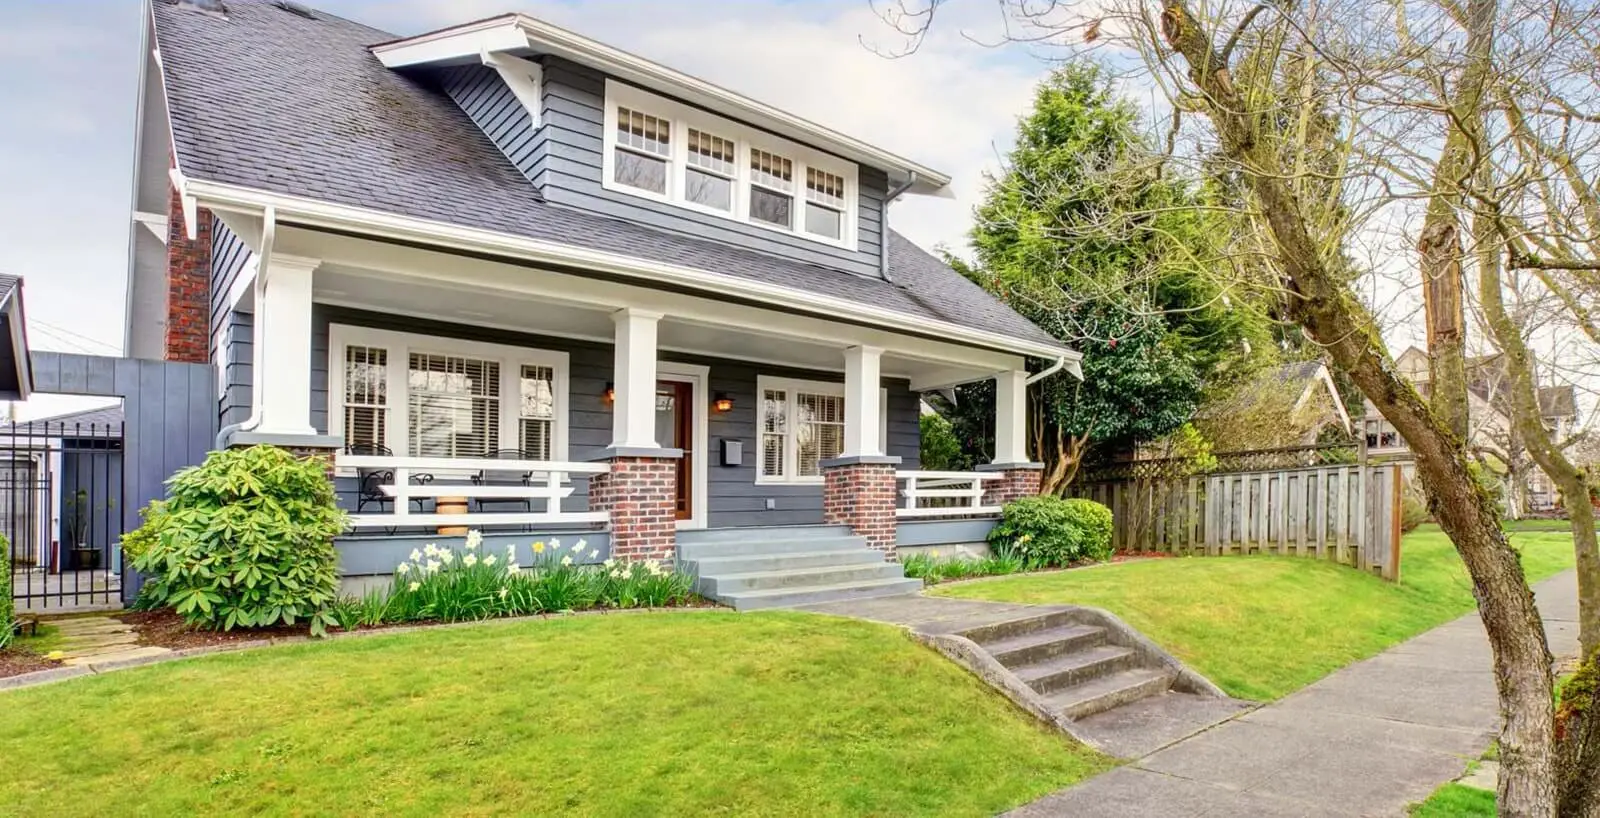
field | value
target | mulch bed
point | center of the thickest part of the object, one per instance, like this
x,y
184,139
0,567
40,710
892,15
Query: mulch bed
x,y
18,662
166,629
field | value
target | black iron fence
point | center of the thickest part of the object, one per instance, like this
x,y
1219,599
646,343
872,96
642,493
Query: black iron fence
x,y
61,512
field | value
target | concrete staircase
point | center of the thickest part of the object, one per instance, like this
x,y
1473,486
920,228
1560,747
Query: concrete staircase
x,y
1077,667
785,566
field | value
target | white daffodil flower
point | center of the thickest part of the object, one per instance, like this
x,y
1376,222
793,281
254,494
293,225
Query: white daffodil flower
x,y
469,560
474,539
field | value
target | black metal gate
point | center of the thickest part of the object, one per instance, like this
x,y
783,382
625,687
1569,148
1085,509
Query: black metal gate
x,y
61,510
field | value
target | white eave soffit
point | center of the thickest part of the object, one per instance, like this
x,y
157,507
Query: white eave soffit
x,y
488,40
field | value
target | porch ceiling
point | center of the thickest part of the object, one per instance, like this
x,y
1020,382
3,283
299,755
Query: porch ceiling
x,y
544,315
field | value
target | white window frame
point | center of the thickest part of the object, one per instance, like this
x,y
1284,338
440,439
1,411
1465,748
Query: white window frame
x,y
400,345
791,387
683,117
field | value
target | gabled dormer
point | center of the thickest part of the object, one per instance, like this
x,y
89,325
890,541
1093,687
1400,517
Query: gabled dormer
x,y
600,130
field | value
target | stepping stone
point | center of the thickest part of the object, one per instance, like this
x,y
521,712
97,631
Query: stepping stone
x,y
75,627
76,651
136,653
80,644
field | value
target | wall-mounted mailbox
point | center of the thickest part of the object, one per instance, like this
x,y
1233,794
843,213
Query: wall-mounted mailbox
x,y
732,452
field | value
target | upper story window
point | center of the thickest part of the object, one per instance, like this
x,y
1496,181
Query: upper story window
x,y
665,150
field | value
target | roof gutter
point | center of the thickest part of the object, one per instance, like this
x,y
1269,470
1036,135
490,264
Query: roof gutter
x,y
883,241
269,232
316,213
1060,364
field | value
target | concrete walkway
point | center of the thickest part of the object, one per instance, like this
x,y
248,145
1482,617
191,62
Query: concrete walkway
x,y
1366,740
95,639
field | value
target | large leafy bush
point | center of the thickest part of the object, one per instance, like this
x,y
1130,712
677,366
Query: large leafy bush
x,y
245,540
1049,531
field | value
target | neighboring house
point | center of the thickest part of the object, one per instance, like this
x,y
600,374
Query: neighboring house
x,y
61,491
674,306
1489,418
1291,404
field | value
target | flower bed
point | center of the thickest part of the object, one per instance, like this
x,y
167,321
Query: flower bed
x,y
448,585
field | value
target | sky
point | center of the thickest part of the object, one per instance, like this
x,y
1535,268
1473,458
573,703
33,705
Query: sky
x,y
66,131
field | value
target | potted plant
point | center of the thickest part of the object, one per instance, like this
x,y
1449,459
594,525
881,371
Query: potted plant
x,y
84,555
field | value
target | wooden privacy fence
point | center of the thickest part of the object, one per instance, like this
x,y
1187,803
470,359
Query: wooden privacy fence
x,y
1348,513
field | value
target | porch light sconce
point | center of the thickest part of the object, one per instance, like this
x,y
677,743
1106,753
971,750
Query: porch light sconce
x,y
722,403
610,395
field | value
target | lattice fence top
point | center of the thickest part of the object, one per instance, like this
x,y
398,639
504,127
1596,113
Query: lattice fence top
x,y
1227,462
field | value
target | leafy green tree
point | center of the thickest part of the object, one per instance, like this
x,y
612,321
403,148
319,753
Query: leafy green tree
x,y
941,450
1120,259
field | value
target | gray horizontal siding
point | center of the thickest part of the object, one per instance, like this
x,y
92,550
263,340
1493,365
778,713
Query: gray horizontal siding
x,y
229,257
486,98
733,499
568,167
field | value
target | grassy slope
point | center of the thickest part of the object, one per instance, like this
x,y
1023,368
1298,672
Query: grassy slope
x,y
1262,627
696,713
1456,801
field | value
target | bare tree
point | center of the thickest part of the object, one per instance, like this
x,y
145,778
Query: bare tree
x,y
1332,116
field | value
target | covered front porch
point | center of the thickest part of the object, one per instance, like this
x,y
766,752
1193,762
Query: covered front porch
x,y
527,401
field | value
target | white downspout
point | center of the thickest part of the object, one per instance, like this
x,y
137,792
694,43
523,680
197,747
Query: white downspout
x,y
1060,364
269,229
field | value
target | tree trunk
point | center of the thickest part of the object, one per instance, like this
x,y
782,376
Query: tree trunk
x,y
1440,249
1578,743
1541,447
1322,303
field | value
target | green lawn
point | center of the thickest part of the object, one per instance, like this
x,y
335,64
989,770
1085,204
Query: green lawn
x,y
1262,627
676,713
1456,801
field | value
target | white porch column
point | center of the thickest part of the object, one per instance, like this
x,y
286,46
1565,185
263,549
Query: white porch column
x,y
861,401
633,417
283,331
1011,417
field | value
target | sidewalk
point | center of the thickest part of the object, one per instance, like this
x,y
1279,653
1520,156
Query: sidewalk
x,y
1365,740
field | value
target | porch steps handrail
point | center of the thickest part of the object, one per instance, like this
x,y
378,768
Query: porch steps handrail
x,y
548,484
965,486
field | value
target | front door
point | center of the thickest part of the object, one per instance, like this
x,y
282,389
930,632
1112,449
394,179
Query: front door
x,y
675,430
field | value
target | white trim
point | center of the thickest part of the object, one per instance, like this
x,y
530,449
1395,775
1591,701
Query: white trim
x,y
401,344
864,401
682,118
157,223
315,213
1011,417
512,31
525,78
699,378
791,454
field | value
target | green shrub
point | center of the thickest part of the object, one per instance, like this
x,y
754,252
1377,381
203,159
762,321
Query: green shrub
x,y
245,540
922,565
8,608
933,570
1413,512
137,542
1049,531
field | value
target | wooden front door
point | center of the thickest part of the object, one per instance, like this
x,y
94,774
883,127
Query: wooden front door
x,y
675,430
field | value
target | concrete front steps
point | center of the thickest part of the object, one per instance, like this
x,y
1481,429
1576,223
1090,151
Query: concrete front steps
x,y
785,566
1094,676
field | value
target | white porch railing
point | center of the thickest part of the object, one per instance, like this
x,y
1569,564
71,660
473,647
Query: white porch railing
x,y
944,493
405,479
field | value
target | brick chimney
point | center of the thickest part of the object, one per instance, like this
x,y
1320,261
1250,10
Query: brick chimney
x,y
188,286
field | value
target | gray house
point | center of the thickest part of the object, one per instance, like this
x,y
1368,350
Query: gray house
x,y
521,281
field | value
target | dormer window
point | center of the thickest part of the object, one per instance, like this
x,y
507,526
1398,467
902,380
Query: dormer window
x,y
671,152
825,206
710,176
644,149
771,189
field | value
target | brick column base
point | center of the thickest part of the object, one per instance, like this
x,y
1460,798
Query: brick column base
x,y
1017,480
640,492
861,493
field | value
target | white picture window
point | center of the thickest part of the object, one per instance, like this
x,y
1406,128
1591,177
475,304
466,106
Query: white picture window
x,y
427,396
802,426
668,151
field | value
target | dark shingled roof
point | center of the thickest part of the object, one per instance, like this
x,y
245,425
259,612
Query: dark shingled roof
x,y
105,421
270,100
